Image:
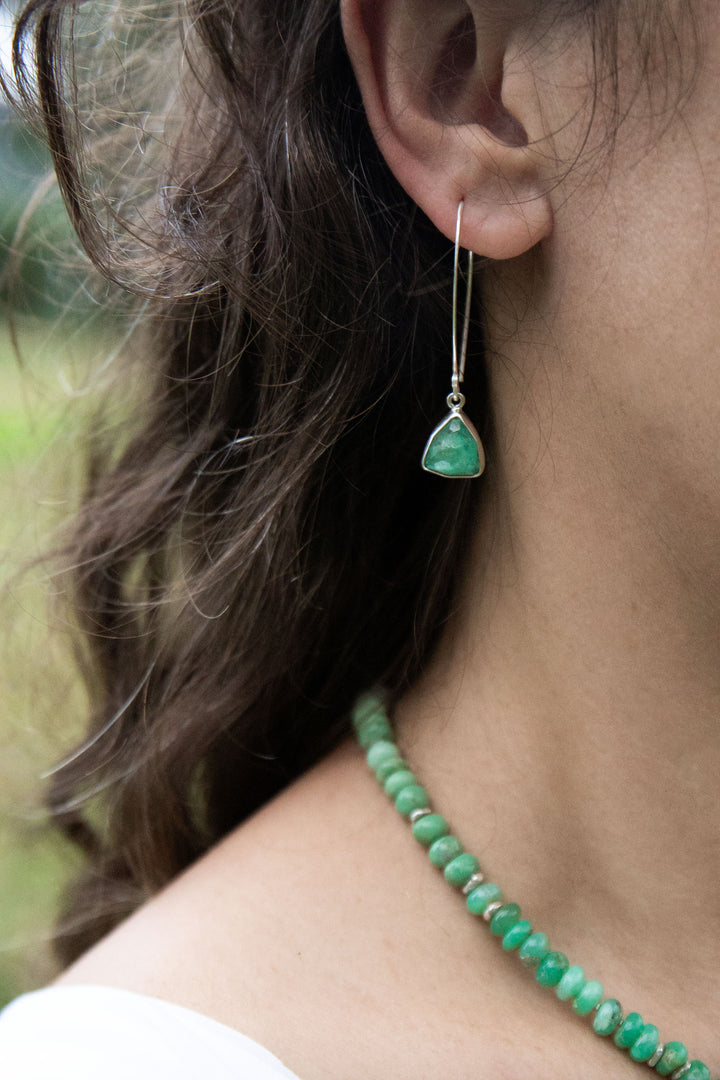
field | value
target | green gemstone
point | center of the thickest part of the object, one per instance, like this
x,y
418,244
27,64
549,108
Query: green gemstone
x,y
372,730
588,997
388,767
674,1057
412,797
698,1071
534,949
396,781
504,919
430,828
381,751
452,449
444,850
459,871
517,935
629,1030
552,968
608,1017
485,894
646,1043
367,705
571,983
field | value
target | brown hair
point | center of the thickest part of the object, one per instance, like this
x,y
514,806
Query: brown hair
x,y
260,544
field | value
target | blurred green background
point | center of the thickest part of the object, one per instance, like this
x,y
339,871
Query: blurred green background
x,y
51,332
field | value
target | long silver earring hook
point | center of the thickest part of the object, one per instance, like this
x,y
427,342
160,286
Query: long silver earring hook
x,y
459,364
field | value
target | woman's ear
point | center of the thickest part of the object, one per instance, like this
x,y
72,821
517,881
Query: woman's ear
x,y
450,119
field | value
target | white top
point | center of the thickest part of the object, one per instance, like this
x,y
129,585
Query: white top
x,y
102,1033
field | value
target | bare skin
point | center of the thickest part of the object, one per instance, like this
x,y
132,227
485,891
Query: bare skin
x,y
569,724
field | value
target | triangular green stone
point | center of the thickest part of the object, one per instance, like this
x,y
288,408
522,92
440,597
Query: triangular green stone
x,y
453,449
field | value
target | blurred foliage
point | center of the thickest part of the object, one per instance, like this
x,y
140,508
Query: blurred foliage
x,y
58,341
40,698
59,337
41,270
46,392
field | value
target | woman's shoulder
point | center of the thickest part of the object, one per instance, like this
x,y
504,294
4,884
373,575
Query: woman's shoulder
x,y
280,931
249,932
81,1032
320,931
256,933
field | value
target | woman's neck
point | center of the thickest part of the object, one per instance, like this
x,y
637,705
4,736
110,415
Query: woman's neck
x,y
569,724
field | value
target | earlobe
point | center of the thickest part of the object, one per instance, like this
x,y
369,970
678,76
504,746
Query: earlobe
x,y
433,87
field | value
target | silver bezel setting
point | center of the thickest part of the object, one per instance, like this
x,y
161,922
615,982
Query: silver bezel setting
x,y
456,410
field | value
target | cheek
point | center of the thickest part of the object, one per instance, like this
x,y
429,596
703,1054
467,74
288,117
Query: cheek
x,y
638,216
612,336
636,257
632,306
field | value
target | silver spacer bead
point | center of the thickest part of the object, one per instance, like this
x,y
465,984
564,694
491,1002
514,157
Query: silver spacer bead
x,y
477,879
415,815
492,908
652,1062
680,1072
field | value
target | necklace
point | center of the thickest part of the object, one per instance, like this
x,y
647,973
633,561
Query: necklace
x,y
483,898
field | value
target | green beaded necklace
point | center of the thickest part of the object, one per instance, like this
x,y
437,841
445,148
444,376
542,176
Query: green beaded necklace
x,y
462,871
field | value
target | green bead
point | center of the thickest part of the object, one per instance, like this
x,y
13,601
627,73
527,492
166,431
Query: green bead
x,y
444,850
429,828
367,705
646,1043
381,751
504,919
459,871
534,949
452,449
552,968
372,730
517,935
485,894
571,983
674,1057
698,1071
588,997
629,1030
396,781
608,1017
389,766
412,797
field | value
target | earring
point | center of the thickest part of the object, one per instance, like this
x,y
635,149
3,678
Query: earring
x,y
454,448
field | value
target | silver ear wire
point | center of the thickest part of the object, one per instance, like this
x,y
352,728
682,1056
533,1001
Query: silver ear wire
x,y
459,365
454,448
